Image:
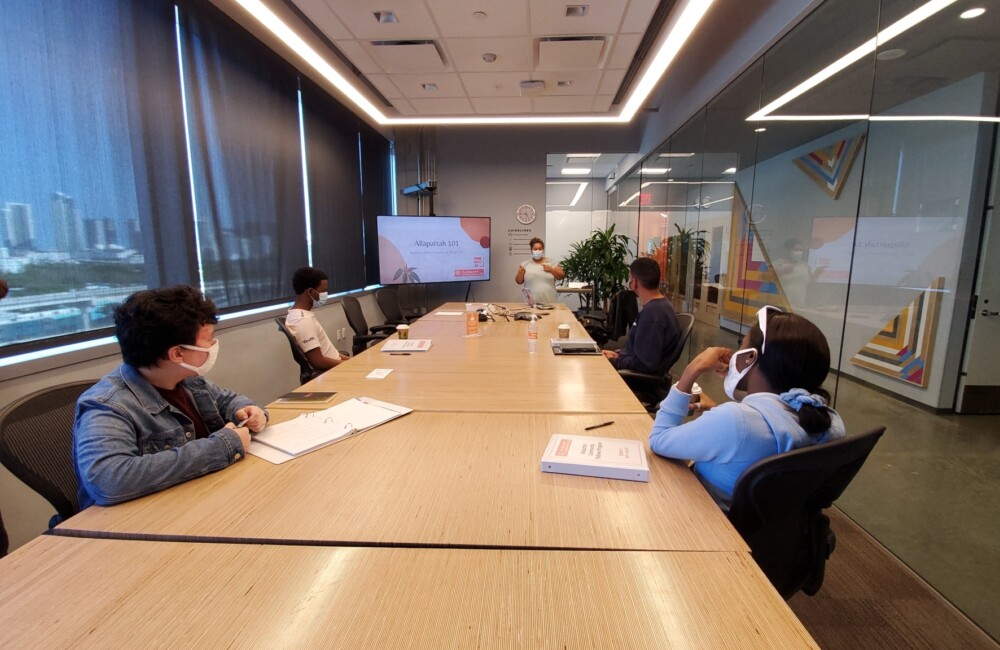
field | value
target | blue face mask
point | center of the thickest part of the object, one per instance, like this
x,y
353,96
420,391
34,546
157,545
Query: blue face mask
x,y
537,255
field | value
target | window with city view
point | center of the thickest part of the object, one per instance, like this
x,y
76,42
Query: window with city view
x,y
148,144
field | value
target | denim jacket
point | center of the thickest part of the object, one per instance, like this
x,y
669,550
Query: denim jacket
x,y
129,442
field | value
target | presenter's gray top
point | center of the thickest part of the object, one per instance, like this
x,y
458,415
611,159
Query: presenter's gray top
x,y
540,282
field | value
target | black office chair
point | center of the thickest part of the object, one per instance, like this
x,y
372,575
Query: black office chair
x,y
363,335
306,371
4,540
649,388
388,302
36,444
607,329
778,507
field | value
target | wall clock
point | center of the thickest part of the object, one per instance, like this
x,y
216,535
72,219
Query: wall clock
x,y
525,214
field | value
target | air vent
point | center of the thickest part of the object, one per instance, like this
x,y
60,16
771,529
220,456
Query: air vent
x,y
531,87
570,52
409,56
577,11
385,16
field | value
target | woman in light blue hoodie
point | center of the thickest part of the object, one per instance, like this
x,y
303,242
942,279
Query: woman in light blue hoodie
x,y
782,365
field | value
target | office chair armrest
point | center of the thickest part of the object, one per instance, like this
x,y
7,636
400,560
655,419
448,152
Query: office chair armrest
x,y
382,329
368,339
642,380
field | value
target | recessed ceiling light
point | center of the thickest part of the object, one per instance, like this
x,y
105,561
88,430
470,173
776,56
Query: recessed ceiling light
x,y
575,171
889,55
564,84
577,11
479,15
731,170
972,13
489,57
430,87
655,170
385,16
760,129
583,155
676,155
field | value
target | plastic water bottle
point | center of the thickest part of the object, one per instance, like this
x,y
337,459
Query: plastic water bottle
x,y
533,335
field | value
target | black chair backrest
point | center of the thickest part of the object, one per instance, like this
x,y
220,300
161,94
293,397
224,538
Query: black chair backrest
x,y
36,443
355,317
777,504
4,540
388,302
686,322
306,371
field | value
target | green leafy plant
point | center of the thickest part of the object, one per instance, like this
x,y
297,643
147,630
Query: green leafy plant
x,y
600,261
408,273
682,247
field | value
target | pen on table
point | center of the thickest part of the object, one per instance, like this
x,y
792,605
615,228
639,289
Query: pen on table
x,y
598,426
399,354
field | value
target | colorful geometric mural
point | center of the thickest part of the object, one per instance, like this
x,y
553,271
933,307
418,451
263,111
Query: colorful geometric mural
x,y
904,347
751,281
829,166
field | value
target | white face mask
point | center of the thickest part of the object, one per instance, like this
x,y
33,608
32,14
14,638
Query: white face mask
x,y
213,353
734,376
537,255
321,300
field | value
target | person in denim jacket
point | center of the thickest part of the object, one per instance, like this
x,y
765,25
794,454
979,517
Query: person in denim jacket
x,y
155,421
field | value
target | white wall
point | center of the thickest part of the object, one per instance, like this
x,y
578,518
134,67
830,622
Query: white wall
x,y
254,359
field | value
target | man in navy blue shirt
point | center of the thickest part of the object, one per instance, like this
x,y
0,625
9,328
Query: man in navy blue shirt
x,y
656,331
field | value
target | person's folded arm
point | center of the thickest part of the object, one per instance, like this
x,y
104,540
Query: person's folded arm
x,y
113,468
714,435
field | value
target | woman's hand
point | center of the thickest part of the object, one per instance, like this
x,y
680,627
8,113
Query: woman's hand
x,y
710,360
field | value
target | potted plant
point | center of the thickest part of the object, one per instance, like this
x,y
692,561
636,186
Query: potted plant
x,y
682,247
600,261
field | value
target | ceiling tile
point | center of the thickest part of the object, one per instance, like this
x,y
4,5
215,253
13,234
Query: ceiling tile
x,y
610,82
637,16
404,107
414,20
411,85
385,86
408,57
503,17
501,105
602,103
444,106
466,54
546,104
549,18
623,50
566,55
319,13
582,82
485,84
359,56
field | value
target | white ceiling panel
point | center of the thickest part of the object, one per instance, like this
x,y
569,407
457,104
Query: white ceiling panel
x,y
503,17
623,50
414,21
385,86
501,105
404,107
466,54
582,82
569,55
486,84
602,103
319,13
444,106
547,104
637,16
406,58
358,55
412,85
549,17
610,82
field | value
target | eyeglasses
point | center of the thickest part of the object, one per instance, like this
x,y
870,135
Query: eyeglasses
x,y
762,323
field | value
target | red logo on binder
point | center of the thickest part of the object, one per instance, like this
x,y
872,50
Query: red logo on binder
x,y
563,449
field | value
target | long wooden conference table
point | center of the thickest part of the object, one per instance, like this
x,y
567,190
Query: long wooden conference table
x,y
434,530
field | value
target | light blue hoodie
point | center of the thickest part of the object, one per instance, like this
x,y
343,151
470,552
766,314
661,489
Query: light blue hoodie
x,y
732,436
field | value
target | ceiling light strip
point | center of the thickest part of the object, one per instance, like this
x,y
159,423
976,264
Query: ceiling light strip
x,y
908,21
579,193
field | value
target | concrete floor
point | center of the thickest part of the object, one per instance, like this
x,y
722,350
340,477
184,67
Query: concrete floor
x,y
930,491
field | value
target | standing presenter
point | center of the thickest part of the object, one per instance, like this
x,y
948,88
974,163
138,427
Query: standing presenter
x,y
539,274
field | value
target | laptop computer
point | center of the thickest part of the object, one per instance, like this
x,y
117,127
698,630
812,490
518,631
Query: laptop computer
x,y
575,346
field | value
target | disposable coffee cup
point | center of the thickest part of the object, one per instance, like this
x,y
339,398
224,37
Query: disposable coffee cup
x,y
564,330
403,331
695,397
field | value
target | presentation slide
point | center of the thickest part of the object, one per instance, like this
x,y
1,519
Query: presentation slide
x,y
888,251
415,249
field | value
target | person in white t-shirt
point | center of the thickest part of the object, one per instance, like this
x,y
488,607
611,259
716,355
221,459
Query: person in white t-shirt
x,y
310,287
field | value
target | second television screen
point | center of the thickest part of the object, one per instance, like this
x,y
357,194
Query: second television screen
x,y
415,249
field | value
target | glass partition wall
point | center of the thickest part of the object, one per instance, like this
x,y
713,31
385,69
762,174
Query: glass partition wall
x,y
844,176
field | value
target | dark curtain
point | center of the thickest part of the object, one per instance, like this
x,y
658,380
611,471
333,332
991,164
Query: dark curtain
x,y
376,175
242,104
333,158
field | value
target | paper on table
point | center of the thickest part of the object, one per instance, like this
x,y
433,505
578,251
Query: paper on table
x,y
378,373
449,313
407,345
576,285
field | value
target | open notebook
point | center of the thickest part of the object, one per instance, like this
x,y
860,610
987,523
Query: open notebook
x,y
310,431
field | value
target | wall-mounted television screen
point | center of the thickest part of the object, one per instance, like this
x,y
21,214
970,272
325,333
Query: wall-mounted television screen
x,y
415,249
